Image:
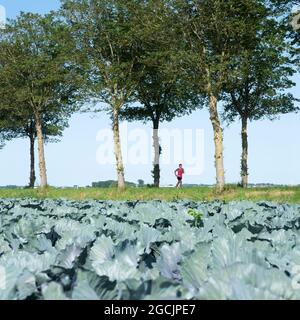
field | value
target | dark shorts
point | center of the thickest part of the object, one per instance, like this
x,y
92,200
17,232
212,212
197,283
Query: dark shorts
x,y
179,178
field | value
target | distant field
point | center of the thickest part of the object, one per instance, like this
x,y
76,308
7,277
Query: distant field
x,y
277,194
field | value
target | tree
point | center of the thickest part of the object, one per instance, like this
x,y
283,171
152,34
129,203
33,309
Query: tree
x,y
161,99
141,183
17,125
260,78
215,32
163,92
109,52
38,82
256,95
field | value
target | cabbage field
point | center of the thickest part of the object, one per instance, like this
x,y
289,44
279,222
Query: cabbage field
x,y
59,249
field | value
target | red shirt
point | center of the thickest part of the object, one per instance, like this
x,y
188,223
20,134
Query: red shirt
x,y
179,172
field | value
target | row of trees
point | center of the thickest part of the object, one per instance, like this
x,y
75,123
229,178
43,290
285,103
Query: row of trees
x,y
147,60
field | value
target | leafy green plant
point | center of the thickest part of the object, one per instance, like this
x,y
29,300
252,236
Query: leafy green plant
x,y
58,249
197,217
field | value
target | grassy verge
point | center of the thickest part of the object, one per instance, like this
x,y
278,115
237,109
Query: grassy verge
x,y
277,194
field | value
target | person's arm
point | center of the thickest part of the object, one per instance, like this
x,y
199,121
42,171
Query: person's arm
x,y
175,172
182,170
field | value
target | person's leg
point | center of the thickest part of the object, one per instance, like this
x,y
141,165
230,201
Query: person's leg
x,y
179,183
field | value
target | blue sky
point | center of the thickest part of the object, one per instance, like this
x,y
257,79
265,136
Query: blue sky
x,y
274,149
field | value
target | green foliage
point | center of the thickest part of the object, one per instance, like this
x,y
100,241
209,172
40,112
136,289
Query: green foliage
x,y
110,184
163,91
278,194
106,48
261,75
214,33
34,70
196,215
58,250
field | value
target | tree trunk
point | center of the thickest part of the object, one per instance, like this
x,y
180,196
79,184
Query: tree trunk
x,y
218,140
41,151
156,146
244,159
118,151
32,177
